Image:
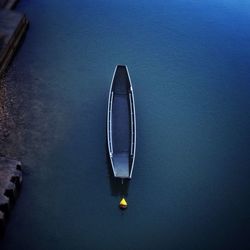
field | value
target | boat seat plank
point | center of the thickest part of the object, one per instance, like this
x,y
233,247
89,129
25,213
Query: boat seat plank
x,y
121,161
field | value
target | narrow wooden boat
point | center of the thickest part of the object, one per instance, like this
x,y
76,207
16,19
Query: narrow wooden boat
x,y
121,124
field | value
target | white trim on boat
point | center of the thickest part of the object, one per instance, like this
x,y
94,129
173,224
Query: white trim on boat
x,y
134,123
110,128
109,125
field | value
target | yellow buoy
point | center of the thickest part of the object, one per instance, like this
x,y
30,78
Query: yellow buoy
x,y
123,204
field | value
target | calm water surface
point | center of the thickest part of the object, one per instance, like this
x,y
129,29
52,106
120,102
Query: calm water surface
x,y
189,62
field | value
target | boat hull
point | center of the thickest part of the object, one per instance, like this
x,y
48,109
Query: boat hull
x,y
121,124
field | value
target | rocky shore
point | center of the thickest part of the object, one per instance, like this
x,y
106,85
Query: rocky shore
x,y
10,181
12,29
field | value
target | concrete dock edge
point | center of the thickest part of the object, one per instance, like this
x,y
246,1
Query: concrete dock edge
x,y
8,51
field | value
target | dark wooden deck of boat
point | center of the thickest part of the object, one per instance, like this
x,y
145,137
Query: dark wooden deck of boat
x,y
121,124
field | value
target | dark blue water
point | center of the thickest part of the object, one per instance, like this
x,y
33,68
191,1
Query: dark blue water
x,y
189,62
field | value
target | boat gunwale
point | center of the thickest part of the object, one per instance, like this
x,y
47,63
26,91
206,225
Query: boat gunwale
x,y
134,122
109,130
